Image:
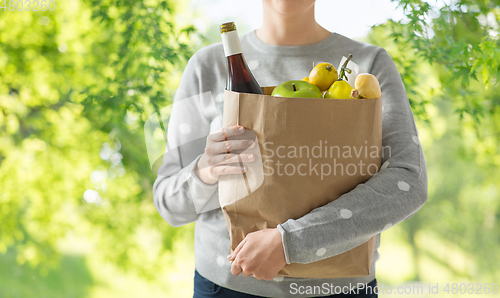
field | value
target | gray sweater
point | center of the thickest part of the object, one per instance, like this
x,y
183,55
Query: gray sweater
x,y
392,195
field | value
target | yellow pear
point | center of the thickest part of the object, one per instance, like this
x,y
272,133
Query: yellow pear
x,y
366,86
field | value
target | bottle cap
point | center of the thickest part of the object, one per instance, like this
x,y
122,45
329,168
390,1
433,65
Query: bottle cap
x,y
227,27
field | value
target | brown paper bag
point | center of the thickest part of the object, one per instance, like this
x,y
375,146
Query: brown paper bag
x,y
293,135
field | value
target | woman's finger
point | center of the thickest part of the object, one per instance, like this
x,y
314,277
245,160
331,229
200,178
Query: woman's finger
x,y
222,159
231,146
235,269
246,274
233,255
216,148
226,133
228,170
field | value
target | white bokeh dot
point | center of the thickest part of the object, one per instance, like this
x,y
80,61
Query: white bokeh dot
x,y
385,165
279,278
253,64
44,21
387,226
345,213
91,196
97,177
116,158
106,151
220,261
63,47
321,252
404,186
184,128
415,139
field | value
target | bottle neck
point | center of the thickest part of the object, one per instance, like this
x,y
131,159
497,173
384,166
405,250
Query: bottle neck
x,y
231,43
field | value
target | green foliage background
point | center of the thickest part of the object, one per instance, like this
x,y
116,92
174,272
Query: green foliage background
x,y
78,83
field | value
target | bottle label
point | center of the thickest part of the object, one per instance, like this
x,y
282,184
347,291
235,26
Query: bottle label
x,y
231,42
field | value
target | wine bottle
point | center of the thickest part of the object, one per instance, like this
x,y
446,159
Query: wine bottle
x,y
239,76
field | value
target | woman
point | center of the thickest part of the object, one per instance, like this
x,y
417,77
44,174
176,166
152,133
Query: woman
x,y
282,49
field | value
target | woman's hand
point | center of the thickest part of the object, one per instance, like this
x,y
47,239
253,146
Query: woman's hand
x,y
219,157
260,254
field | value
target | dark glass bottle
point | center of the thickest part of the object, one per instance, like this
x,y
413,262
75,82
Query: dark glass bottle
x,y
239,78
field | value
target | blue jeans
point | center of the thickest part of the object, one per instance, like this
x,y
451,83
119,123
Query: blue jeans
x,y
204,288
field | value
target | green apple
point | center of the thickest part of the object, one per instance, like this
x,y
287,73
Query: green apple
x,y
297,89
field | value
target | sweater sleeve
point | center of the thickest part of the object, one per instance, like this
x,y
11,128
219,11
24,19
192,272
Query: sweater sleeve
x,y
392,195
178,194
